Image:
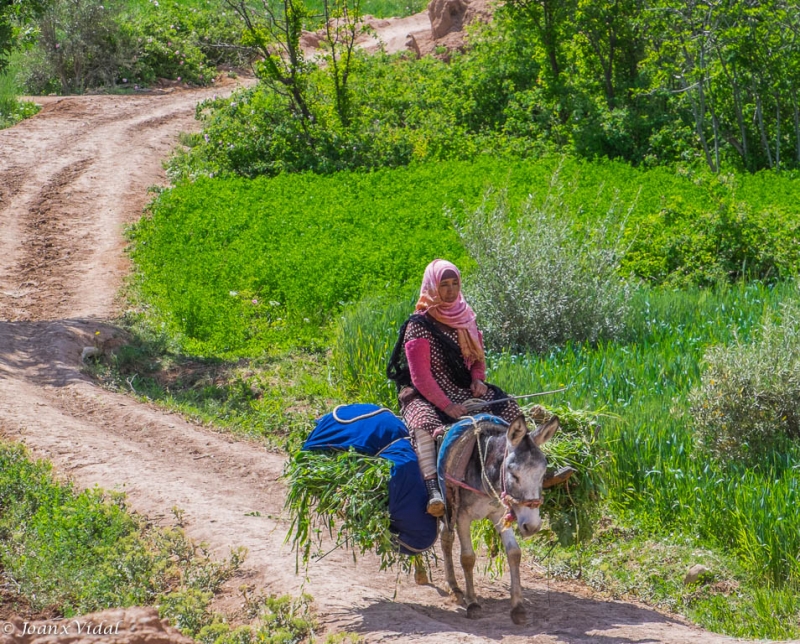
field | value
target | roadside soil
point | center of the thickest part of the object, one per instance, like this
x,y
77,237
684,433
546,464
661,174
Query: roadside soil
x,y
71,179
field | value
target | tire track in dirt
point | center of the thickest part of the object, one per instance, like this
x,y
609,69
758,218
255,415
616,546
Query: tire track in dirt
x,y
60,237
49,239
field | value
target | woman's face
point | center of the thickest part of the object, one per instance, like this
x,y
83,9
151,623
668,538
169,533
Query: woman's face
x,y
449,289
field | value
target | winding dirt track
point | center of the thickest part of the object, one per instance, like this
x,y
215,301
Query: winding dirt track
x,y
70,179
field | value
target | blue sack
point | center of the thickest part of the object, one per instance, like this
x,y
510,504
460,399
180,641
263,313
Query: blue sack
x,y
383,434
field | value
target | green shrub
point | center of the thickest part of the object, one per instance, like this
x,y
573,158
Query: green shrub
x,y
280,620
748,404
80,46
538,284
12,110
182,42
88,44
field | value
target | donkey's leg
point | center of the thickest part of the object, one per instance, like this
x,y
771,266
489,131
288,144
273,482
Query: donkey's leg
x,y
420,570
448,537
468,563
514,554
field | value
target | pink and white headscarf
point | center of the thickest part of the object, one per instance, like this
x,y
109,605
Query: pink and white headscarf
x,y
458,315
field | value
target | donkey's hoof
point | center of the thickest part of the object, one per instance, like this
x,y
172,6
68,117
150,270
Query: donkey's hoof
x,y
519,615
474,610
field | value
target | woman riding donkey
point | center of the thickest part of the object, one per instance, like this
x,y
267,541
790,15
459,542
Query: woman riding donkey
x,y
438,364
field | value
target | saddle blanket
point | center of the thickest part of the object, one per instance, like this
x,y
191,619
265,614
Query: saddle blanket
x,y
459,443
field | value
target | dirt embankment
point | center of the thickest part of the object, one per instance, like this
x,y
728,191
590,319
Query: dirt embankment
x,y
71,178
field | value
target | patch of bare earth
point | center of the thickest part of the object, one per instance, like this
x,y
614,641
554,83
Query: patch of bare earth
x,y
70,179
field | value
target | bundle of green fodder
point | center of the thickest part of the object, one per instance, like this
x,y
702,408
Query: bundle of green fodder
x,y
570,508
343,496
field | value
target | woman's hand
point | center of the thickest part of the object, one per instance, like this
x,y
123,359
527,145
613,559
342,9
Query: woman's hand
x,y
479,388
454,410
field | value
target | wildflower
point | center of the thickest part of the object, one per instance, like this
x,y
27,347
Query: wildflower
x,y
233,293
205,136
177,52
254,300
180,63
179,78
124,80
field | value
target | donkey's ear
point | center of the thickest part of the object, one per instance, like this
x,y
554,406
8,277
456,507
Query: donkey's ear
x,y
517,431
545,432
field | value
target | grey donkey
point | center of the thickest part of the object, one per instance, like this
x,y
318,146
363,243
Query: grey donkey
x,y
502,482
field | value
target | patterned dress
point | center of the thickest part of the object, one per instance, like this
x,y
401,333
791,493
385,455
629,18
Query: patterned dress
x,y
419,414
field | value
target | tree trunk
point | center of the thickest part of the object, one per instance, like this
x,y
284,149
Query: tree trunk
x,y
762,130
778,131
796,125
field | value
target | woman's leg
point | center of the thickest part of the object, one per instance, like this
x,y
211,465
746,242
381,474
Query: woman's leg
x,y
422,420
426,454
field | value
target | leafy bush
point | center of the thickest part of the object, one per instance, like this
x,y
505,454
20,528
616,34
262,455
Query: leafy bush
x,y
747,407
86,44
80,46
182,42
537,283
256,132
12,110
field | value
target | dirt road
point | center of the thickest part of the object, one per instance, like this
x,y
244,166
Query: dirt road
x,y
70,180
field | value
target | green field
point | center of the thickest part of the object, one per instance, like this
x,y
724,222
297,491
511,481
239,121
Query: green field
x,y
235,266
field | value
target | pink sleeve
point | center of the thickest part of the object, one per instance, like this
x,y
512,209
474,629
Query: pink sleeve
x,y
478,370
418,352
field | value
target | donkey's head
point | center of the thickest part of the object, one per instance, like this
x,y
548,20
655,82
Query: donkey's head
x,y
523,471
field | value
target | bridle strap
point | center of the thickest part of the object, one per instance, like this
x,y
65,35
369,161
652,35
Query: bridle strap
x,y
461,484
504,498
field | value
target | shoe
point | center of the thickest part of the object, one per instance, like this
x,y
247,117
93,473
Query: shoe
x,y
553,478
435,500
